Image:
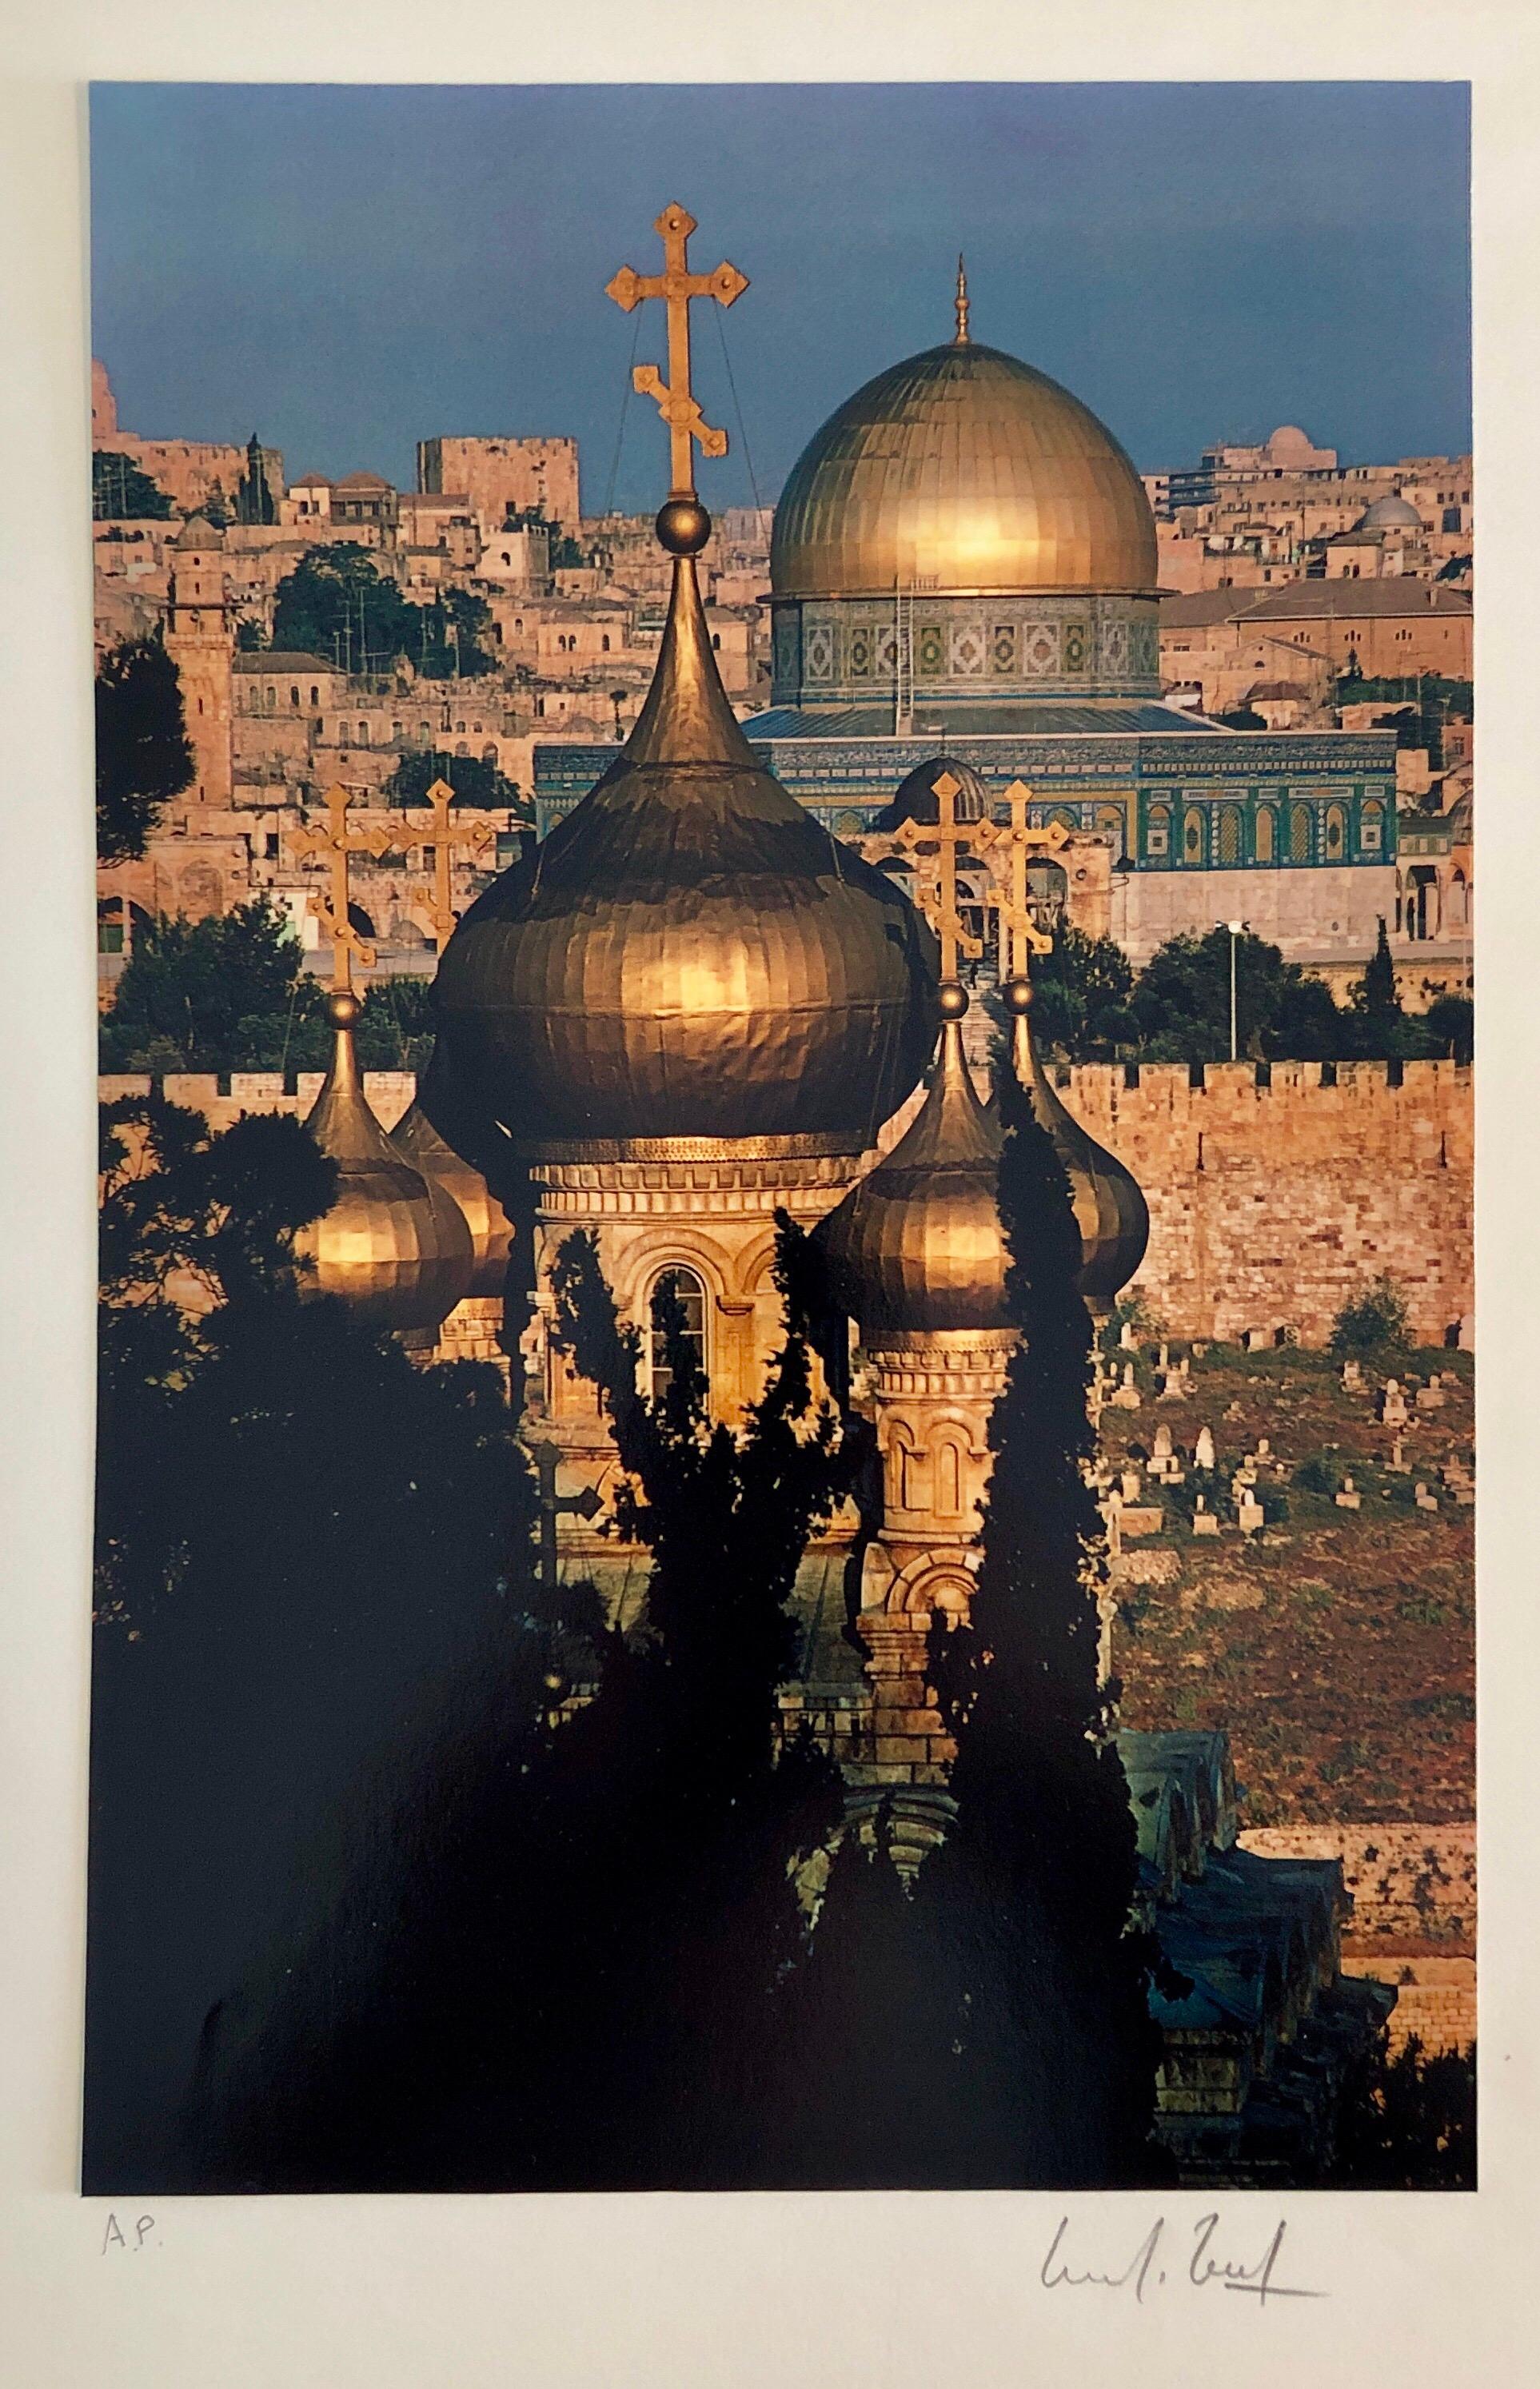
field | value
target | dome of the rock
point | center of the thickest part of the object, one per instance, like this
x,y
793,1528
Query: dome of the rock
x,y
962,470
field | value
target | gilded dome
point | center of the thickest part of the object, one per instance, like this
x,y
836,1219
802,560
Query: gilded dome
x,y
394,1245
916,1248
962,470
688,956
1110,1208
490,1229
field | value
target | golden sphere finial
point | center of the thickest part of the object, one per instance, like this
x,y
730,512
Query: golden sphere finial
x,y
683,526
342,1007
1018,996
954,999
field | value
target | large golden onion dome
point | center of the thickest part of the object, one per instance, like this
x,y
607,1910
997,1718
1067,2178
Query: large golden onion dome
x,y
688,956
959,471
916,1249
1110,1208
490,1229
394,1245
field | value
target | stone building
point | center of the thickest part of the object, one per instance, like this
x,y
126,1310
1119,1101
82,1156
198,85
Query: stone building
x,y
199,639
504,476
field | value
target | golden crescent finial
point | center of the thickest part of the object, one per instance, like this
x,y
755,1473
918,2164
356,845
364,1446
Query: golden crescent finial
x,y
961,303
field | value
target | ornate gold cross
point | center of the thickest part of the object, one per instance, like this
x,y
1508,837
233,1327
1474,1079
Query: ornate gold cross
x,y
469,835
937,896
342,843
1013,846
677,286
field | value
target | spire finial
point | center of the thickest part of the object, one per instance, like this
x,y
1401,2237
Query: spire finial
x,y
677,286
961,303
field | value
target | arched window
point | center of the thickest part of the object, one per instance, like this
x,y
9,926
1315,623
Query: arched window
x,y
1299,833
717,642
362,733
294,696
948,1479
1459,901
1371,826
1192,835
604,642
1336,833
1266,823
689,1292
1229,834
316,697
1156,836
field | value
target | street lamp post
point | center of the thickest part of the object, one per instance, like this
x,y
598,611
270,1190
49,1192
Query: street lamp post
x,y
1236,930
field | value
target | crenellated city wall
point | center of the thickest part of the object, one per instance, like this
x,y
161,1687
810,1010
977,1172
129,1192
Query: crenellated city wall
x,y
1276,1195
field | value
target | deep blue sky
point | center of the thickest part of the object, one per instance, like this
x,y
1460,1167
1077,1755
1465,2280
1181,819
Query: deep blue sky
x,y
348,269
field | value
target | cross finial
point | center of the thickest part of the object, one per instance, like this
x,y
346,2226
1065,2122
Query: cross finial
x,y
336,839
1014,845
961,303
937,899
469,833
677,286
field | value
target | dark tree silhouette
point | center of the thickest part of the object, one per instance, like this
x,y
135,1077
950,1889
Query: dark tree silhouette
x,y
1037,1878
122,491
142,755
302,1568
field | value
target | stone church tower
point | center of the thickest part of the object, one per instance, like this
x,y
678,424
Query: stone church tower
x,y
201,642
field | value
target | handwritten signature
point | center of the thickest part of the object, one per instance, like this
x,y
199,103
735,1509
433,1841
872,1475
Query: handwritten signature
x,y
1151,2266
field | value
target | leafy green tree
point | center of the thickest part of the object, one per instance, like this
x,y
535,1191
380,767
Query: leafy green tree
x,y
1379,1027
250,640
475,783
336,604
1081,997
120,492
231,993
455,637
1375,1321
1449,1024
1181,1003
143,755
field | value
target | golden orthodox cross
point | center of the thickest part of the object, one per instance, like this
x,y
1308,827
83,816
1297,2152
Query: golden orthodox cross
x,y
937,896
677,286
469,835
336,839
1012,845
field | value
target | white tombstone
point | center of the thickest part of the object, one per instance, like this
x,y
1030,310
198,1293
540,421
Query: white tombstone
x,y
1349,1497
1392,1404
1163,1450
1204,1520
1203,1454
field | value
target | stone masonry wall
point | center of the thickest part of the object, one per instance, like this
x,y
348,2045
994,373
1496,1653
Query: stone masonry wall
x,y
1271,1204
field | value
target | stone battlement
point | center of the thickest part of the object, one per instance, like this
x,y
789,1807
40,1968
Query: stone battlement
x,y
1276,1193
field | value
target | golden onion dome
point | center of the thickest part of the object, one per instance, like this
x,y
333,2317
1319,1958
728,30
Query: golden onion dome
x,y
688,956
394,1245
961,471
1110,1208
916,1248
490,1229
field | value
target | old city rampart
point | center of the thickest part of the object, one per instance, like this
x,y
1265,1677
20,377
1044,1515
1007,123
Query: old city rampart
x,y
1274,1195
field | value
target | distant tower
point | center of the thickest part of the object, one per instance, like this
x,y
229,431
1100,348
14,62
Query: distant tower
x,y
201,642
104,406
254,499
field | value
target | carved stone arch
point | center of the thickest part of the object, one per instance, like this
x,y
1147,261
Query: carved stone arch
x,y
677,1248
934,1580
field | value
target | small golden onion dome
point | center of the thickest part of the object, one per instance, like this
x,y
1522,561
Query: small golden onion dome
x,y
1110,1208
394,1245
914,799
962,470
916,1248
490,1229
689,957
